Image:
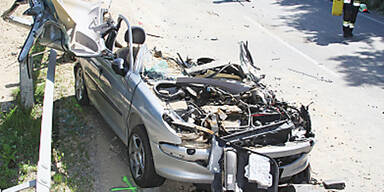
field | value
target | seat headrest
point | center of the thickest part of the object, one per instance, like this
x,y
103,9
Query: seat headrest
x,y
138,35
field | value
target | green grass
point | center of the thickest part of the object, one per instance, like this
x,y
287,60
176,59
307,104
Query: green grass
x,y
19,143
71,139
20,135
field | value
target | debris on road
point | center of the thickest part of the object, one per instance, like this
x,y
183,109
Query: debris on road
x,y
311,76
152,35
213,13
334,184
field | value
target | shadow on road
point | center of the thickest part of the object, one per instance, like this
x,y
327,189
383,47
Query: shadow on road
x,y
363,68
315,20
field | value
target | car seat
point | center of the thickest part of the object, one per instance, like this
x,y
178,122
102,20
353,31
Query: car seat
x,y
138,38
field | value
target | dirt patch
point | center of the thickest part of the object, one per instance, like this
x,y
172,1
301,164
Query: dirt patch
x,y
12,38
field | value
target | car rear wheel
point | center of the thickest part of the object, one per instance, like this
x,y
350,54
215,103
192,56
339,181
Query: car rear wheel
x,y
141,160
80,90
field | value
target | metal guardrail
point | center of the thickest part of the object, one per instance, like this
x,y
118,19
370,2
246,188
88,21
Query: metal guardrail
x,y
43,181
44,165
20,187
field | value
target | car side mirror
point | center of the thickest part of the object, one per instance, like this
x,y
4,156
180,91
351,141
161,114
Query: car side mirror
x,y
118,66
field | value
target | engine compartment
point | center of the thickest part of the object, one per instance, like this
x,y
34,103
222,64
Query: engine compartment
x,y
204,98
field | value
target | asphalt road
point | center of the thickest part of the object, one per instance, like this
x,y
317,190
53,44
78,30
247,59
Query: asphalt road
x,y
299,46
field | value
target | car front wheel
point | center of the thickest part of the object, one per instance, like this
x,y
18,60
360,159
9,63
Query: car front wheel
x,y
141,160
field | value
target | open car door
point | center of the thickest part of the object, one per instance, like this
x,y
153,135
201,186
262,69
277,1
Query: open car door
x,y
83,22
74,26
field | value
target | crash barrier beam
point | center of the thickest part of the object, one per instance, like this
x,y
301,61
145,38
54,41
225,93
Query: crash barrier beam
x,y
19,21
43,183
7,15
20,187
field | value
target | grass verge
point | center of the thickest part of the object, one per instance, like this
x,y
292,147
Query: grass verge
x,y
20,135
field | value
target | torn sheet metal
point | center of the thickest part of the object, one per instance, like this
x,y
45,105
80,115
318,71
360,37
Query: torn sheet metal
x,y
215,156
212,102
232,87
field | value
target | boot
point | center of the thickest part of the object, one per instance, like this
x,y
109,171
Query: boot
x,y
350,31
347,32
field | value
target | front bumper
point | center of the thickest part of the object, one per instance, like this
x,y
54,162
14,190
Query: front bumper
x,y
292,159
177,169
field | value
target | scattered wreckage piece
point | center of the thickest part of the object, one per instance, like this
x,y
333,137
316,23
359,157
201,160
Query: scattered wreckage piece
x,y
326,185
271,134
334,184
231,87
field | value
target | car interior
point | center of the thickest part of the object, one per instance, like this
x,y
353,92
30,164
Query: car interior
x,y
138,38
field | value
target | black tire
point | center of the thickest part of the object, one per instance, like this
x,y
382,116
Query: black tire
x,y
81,94
303,177
141,160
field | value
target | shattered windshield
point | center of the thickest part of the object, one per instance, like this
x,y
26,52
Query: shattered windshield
x,y
164,67
160,67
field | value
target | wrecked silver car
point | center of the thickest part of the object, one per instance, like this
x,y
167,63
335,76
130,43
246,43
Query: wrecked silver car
x,y
199,121
173,115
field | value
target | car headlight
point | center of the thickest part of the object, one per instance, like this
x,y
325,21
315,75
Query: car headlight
x,y
194,146
185,153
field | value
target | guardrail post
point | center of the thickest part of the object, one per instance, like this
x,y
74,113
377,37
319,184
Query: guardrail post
x,y
26,86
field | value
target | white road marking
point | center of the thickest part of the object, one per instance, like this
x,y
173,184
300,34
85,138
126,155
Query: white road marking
x,y
291,47
372,19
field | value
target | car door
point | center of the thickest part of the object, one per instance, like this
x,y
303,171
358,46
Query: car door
x,y
114,90
92,81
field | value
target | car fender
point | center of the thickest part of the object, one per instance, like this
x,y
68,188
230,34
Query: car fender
x,y
146,109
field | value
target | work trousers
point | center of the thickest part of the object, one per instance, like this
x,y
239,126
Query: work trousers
x,y
350,10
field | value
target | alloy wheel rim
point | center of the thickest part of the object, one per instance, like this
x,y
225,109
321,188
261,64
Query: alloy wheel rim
x,y
136,156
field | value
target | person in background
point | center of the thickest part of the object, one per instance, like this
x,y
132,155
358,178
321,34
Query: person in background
x,y
350,10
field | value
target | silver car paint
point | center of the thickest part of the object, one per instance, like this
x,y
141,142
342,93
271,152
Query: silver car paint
x,y
120,91
141,107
